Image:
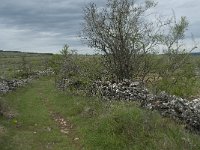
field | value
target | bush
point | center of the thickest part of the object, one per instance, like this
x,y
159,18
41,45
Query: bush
x,y
25,68
73,71
179,81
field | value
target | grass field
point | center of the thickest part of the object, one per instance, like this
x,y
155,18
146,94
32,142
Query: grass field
x,y
10,62
49,119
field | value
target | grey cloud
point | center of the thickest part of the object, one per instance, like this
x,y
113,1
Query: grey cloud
x,y
60,18
49,24
195,29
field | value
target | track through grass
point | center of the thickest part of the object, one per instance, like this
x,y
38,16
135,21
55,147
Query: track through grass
x,y
50,119
34,127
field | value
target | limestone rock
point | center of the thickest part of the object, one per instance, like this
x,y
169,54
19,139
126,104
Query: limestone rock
x,y
167,105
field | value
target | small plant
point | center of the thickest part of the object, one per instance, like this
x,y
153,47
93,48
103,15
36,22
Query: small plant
x,y
64,66
25,68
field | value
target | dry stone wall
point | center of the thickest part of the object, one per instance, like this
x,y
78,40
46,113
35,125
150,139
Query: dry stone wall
x,y
10,85
167,105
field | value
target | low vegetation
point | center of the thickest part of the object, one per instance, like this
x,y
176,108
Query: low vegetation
x,y
59,111
96,124
14,64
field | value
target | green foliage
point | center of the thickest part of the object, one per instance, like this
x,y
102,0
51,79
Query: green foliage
x,y
64,66
13,63
90,69
178,31
174,73
120,32
175,77
55,63
127,39
196,62
76,71
25,68
130,43
98,125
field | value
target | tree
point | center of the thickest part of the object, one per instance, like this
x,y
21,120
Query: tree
x,y
64,66
120,32
68,66
123,32
175,72
25,68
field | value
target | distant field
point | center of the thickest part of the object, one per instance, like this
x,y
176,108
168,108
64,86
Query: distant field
x,y
10,61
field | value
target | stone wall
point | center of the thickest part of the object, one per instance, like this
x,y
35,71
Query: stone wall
x,y
10,85
188,112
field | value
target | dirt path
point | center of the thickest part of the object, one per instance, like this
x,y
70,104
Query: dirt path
x,y
65,125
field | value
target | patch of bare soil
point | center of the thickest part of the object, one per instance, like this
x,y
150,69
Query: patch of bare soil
x,y
66,127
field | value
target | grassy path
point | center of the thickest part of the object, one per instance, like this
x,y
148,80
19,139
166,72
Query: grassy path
x,y
37,126
49,119
64,124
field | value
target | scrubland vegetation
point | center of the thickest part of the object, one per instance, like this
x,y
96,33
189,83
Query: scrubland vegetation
x,y
59,111
14,64
96,124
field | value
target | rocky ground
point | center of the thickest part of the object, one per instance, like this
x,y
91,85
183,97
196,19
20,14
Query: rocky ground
x,y
171,106
188,112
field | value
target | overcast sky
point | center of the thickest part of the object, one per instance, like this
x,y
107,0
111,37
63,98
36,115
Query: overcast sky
x,y
46,25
